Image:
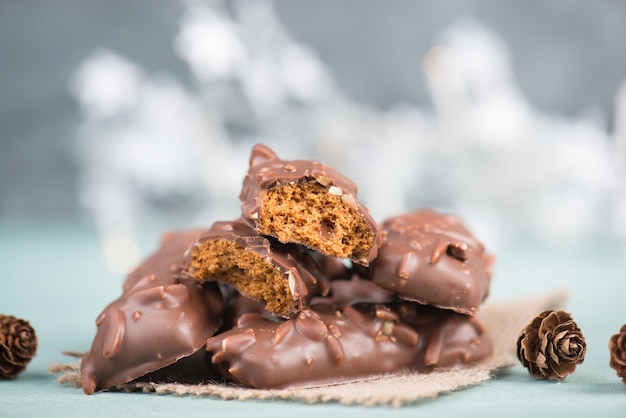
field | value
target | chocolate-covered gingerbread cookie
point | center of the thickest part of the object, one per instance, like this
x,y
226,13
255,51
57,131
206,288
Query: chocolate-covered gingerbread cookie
x,y
162,317
307,203
433,259
282,276
325,345
316,347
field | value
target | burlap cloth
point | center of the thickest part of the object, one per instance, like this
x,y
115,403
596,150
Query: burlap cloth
x,y
504,321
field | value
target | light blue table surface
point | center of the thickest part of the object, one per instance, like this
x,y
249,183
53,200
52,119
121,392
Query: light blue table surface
x,y
54,275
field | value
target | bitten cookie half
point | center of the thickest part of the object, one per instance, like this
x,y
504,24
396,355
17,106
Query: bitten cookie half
x,y
431,258
308,203
281,276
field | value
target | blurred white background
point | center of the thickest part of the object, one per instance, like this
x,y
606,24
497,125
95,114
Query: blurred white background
x,y
511,115
121,119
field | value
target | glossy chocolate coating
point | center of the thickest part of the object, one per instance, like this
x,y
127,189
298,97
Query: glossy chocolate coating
x,y
322,345
301,274
267,171
347,292
163,316
433,259
313,348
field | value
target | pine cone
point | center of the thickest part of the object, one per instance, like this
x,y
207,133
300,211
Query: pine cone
x,y
617,347
551,346
18,344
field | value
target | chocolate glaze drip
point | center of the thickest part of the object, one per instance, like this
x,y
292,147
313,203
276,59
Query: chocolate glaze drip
x,y
323,345
162,317
302,275
267,171
433,259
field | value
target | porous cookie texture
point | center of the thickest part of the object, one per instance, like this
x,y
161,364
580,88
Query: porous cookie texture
x,y
162,317
323,345
283,277
307,203
431,258
309,214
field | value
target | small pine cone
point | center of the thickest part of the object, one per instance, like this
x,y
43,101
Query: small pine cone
x,y
551,346
18,344
617,347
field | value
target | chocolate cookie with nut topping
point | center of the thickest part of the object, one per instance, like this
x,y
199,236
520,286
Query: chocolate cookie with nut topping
x,y
326,345
431,258
316,347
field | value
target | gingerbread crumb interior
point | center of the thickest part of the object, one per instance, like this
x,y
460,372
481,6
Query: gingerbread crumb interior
x,y
308,214
251,274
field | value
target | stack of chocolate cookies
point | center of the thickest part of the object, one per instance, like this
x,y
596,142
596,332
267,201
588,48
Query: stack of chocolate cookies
x,y
303,289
